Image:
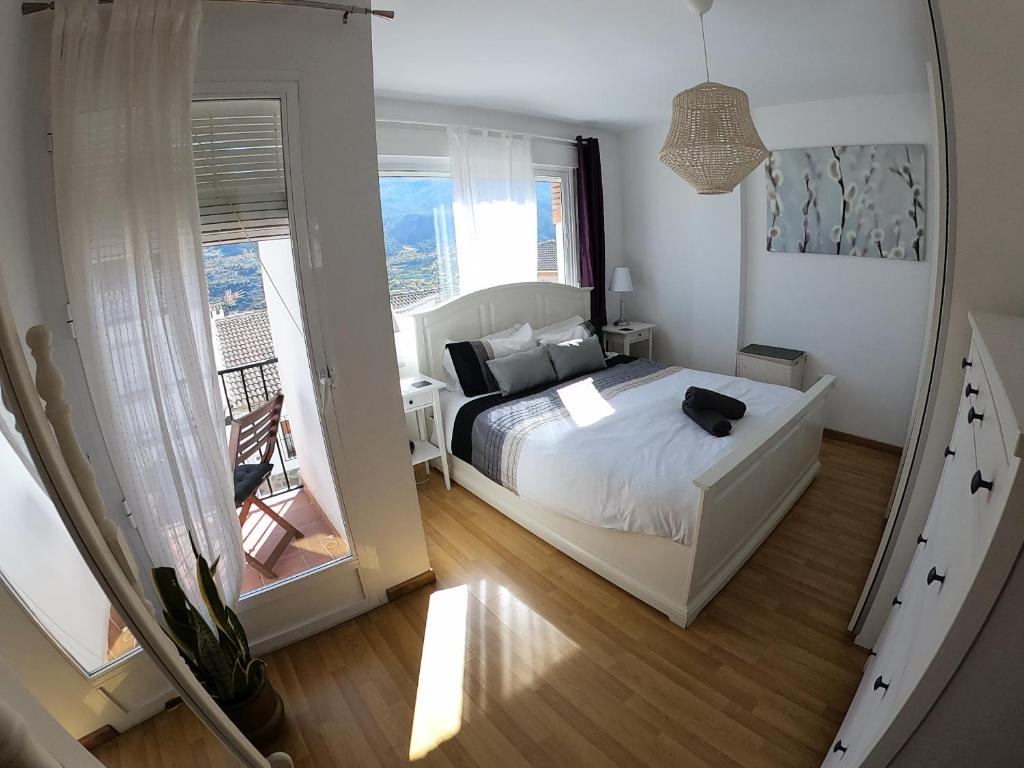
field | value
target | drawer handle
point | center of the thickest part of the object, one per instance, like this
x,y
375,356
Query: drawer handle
x,y
921,539
948,452
896,601
973,415
965,363
970,390
839,747
934,576
880,683
977,483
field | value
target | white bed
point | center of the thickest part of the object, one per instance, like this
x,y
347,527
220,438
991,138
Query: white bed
x,y
742,486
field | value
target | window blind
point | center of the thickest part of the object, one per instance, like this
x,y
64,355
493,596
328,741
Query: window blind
x,y
240,175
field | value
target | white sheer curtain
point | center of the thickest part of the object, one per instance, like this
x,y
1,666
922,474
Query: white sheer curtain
x,y
494,205
130,239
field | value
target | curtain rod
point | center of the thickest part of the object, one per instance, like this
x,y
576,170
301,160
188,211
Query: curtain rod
x,y
29,8
422,124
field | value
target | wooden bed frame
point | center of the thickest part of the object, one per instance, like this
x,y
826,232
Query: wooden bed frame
x,y
742,497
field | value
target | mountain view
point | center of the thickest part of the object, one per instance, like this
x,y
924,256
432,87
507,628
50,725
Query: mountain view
x,y
417,212
233,277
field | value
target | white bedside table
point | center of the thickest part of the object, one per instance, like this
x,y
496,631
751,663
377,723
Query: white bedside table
x,y
416,400
620,338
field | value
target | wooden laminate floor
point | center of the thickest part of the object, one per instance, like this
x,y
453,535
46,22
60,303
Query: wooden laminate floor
x,y
531,660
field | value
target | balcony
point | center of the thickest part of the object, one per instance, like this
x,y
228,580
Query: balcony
x,y
244,388
247,387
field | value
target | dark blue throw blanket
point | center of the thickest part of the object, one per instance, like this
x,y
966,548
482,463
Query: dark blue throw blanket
x,y
488,431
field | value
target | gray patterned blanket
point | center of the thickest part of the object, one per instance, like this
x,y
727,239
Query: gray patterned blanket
x,y
499,431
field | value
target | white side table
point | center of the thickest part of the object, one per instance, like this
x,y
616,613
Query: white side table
x,y
620,338
420,393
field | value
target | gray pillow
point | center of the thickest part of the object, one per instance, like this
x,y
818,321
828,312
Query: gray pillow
x,y
522,370
576,357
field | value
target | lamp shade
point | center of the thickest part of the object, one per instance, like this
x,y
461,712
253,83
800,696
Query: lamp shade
x,y
712,142
394,322
622,281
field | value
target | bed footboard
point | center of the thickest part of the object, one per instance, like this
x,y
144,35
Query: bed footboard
x,y
747,493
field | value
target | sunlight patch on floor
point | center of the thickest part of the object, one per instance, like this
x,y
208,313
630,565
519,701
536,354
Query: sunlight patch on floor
x,y
535,646
438,713
585,404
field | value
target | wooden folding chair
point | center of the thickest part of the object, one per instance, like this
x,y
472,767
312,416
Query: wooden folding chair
x,y
255,434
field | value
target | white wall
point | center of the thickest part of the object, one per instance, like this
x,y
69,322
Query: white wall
x,y
684,254
702,273
285,311
860,319
409,141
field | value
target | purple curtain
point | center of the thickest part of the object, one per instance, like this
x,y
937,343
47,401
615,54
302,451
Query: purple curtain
x,y
590,216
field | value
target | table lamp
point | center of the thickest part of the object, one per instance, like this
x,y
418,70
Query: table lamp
x,y
622,282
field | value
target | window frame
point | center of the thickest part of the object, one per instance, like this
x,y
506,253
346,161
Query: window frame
x,y
402,165
568,243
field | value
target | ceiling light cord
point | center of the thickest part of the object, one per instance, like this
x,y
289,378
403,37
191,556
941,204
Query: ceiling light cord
x,y
707,72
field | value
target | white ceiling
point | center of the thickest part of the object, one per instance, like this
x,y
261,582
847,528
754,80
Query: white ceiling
x,y
620,62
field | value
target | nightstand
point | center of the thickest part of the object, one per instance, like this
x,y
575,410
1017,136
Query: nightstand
x,y
621,338
417,400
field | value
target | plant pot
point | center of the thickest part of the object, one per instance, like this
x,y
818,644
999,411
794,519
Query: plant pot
x,y
261,716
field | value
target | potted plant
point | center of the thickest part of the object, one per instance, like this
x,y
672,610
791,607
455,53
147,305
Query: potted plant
x,y
219,655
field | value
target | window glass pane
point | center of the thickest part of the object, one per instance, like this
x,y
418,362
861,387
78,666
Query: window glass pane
x,y
419,238
549,229
41,565
419,241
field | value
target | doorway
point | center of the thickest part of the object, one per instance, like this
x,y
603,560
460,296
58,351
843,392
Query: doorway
x,y
260,330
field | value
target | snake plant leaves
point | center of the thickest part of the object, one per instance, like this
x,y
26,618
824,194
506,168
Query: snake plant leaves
x,y
218,667
239,632
218,655
211,596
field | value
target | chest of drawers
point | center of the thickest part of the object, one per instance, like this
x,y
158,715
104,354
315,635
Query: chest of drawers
x,y
964,555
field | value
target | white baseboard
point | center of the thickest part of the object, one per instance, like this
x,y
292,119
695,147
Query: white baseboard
x,y
302,630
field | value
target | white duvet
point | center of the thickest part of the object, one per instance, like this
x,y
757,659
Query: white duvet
x,y
629,462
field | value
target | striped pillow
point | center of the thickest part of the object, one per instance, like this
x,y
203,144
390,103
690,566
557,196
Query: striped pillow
x,y
470,361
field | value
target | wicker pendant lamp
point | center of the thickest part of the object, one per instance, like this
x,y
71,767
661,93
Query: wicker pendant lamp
x,y
712,142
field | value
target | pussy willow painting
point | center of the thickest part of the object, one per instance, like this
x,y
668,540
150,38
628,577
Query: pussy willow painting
x,y
866,201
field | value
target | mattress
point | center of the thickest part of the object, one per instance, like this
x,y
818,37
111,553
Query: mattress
x,y
612,449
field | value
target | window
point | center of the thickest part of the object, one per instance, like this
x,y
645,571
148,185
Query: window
x,y
557,246
419,232
419,240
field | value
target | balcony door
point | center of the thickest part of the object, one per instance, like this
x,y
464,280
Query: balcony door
x,y
267,341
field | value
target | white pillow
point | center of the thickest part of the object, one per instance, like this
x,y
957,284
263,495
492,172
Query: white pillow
x,y
513,339
566,330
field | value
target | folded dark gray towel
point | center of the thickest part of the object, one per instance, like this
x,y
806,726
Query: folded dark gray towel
x,y
701,399
711,422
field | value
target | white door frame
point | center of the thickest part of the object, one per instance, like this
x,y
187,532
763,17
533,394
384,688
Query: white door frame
x,y
278,614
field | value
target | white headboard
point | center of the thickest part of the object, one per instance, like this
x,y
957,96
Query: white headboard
x,y
493,309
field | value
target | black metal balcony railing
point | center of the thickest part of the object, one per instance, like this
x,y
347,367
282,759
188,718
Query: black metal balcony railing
x,y
247,387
